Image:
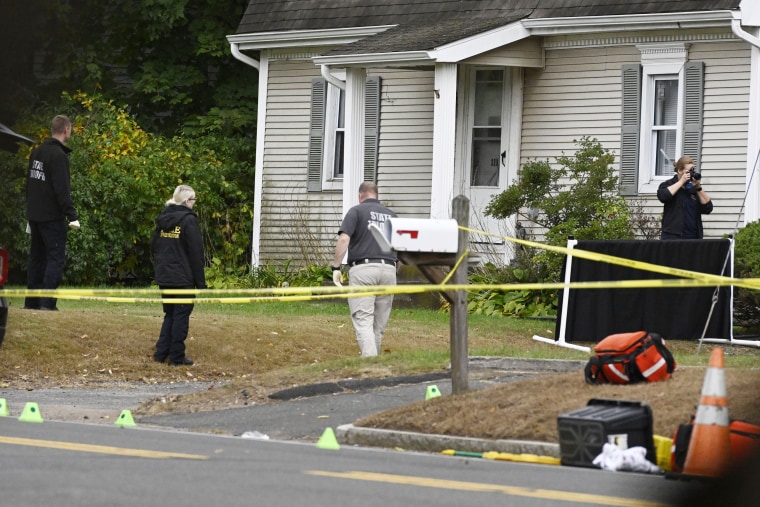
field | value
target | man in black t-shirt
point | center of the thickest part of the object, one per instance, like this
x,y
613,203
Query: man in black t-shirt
x,y
368,265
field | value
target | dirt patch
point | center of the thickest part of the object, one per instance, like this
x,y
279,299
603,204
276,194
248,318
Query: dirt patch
x,y
528,410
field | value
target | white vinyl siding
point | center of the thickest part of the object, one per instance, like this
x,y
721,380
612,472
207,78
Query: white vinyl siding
x,y
405,155
724,135
301,225
579,93
295,224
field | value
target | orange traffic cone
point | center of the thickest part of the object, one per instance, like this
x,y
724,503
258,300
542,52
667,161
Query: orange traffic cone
x,y
710,446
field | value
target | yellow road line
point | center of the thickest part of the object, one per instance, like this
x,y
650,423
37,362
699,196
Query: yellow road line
x,y
101,449
546,494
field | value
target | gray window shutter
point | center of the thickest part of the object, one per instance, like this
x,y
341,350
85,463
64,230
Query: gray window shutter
x,y
371,126
631,124
316,134
694,84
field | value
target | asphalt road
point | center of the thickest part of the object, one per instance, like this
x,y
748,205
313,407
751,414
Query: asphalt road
x,y
158,462
75,464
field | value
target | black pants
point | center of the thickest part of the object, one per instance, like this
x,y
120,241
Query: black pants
x,y
171,341
47,258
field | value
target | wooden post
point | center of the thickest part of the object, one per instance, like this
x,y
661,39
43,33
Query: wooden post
x,y
460,211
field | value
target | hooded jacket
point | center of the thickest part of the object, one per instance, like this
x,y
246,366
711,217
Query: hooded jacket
x,y
48,185
177,247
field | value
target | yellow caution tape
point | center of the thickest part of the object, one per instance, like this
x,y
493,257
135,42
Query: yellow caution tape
x,y
688,279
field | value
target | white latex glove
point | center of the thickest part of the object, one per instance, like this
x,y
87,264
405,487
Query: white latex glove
x,y
28,229
74,224
338,278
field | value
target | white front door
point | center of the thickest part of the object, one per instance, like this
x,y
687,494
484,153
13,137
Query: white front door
x,y
485,152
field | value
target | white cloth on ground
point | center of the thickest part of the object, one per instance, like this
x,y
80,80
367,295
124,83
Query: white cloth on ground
x,y
617,459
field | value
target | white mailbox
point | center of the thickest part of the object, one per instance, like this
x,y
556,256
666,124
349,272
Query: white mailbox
x,y
428,235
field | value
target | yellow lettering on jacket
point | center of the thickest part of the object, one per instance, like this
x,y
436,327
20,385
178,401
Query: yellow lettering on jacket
x,y
172,234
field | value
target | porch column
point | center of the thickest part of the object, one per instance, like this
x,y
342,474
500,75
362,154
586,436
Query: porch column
x,y
353,170
444,139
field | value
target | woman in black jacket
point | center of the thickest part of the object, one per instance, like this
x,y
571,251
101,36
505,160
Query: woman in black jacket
x,y
178,261
685,202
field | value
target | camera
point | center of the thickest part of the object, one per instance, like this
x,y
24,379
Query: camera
x,y
695,175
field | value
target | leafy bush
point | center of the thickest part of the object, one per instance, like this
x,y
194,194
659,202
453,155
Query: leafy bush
x,y
747,265
578,196
518,303
120,178
218,277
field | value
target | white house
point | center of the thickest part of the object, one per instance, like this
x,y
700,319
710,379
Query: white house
x,y
437,99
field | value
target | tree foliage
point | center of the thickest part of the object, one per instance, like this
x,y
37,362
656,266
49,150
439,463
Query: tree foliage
x,y
747,265
578,196
120,176
167,61
157,100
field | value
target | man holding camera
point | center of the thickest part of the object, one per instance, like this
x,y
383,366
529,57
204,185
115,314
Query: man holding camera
x,y
685,202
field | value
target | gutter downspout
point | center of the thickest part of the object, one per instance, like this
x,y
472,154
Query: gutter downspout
x,y
736,27
259,169
752,186
325,70
243,58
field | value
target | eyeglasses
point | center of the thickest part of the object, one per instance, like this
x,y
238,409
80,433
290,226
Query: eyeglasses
x,y
193,199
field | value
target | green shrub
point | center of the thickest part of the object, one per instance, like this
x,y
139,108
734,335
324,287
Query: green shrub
x,y
516,303
747,265
120,178
578,196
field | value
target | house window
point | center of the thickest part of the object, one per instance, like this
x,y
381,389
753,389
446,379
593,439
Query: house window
x,y
335,133
665,127
661,116
327,134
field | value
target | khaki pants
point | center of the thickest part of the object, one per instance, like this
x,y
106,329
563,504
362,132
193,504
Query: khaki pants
x,y
370,314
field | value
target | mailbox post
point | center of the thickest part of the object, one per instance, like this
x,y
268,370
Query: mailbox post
x,y
458,337
429,244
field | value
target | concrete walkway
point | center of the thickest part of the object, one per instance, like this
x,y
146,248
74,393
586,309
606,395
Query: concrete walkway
x,y
307,411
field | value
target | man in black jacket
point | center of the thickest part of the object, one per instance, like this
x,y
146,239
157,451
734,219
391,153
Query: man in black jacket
x,y
48,208
178,262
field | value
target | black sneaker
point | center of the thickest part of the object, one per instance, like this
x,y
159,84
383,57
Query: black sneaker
x,y
185,361
159,359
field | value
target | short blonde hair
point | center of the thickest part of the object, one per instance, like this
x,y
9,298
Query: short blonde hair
x,y
181,194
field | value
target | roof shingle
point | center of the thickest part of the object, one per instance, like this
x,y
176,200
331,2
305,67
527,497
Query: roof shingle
x,y
286,15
